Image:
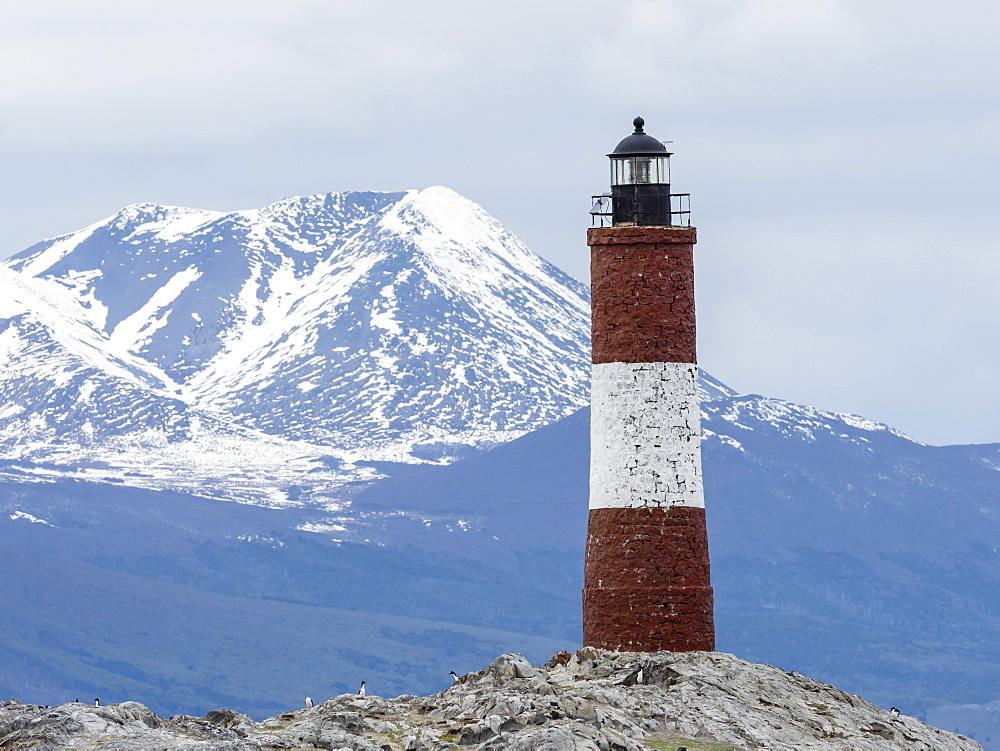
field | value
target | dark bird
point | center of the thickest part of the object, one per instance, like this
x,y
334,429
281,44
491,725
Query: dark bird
x,y
454,676
361,691
309,703
97,702
894,712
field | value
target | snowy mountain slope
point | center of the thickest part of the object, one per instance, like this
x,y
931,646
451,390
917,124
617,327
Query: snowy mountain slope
x,y
369,322
73,406
60,381
173,284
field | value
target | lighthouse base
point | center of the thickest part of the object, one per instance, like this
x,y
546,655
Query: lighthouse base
x,y
646,581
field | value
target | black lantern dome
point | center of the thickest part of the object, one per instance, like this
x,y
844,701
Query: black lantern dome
x,y
640,179
639,143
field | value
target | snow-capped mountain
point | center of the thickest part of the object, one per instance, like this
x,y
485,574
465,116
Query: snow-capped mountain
x,y
379,323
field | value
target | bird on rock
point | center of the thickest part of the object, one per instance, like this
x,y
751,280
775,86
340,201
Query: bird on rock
x,y
639,676
309,703
454,676
894,712
97,702
361,691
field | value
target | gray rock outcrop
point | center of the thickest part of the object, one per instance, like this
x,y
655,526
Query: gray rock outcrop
x,y
587,701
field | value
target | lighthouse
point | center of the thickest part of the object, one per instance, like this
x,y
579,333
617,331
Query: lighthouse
x,y
646,576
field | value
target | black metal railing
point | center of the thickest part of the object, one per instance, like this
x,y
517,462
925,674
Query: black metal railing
x,y
602,211
680,209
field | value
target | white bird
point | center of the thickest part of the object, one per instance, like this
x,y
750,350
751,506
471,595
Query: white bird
x,y
97,702
638,677
454,676
309,703
894,712
361,691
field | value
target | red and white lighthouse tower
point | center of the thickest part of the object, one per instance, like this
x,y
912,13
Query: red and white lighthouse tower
x,y
646,580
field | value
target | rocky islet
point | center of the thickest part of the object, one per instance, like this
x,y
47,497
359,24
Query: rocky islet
x,y
586,701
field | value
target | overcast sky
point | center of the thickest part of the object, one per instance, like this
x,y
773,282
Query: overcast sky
x,y
842,155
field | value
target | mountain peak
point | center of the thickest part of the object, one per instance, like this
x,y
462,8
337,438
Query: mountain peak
x,y
451,217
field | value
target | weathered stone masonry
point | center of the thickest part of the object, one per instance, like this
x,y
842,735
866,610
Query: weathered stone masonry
x,y
642,291
645,436
647,582
657,594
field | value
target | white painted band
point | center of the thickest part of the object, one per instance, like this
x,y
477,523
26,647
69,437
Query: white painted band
x,y
645,436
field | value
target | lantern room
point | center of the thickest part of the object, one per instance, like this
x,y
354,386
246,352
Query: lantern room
x,y
640,184
640,159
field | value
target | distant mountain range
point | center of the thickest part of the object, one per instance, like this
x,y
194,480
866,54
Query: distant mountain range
x,y
338,364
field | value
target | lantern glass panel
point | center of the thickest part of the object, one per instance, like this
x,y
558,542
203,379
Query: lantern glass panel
x,y
619,171
662,170
640,170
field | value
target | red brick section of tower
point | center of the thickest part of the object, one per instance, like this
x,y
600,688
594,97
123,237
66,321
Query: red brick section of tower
x,y
646,579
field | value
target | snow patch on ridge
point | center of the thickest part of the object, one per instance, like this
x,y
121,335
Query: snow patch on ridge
x,y
59,249
22,515
747,413
55,308
136,330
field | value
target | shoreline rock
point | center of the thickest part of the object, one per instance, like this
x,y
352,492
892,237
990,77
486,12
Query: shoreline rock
x,y
591,700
